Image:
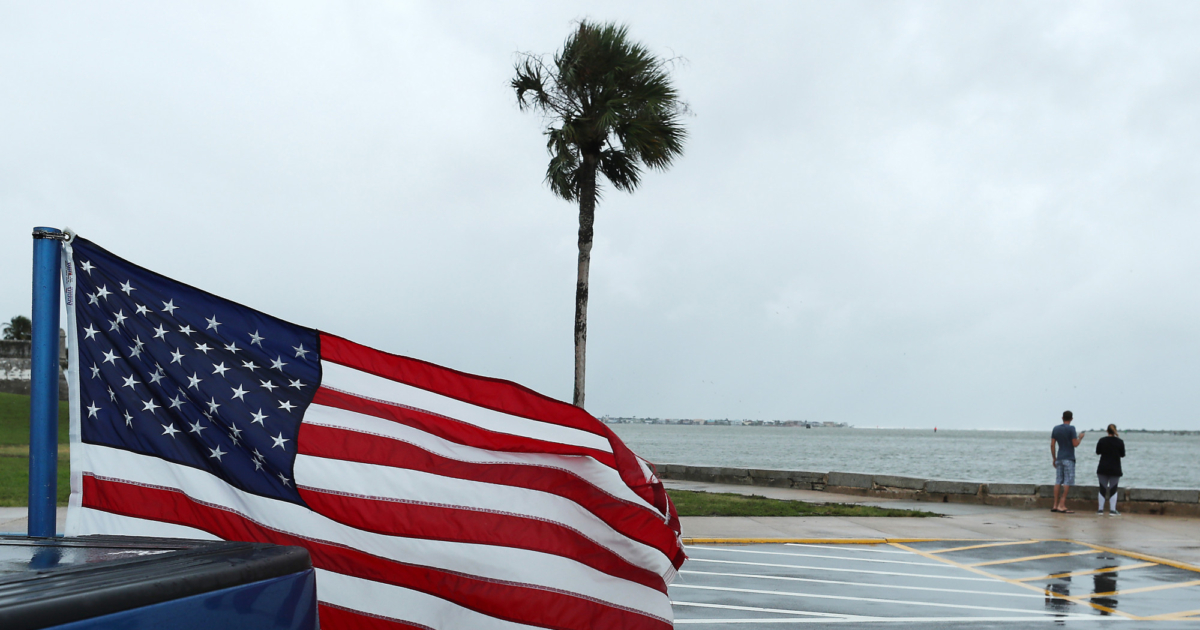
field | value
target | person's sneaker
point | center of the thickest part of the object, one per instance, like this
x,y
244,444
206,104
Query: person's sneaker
x,y
1099,512
1114,513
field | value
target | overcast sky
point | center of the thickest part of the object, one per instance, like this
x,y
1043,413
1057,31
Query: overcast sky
x,y
898,214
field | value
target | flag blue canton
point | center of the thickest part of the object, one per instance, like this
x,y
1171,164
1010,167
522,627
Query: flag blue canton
x,y
173,372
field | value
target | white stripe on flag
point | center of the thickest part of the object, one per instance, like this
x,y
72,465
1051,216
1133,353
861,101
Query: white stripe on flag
x,y
386,482
101,522
486,561
396,602
352,381
588,469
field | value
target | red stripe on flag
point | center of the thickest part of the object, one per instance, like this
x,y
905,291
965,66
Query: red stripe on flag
x,y
636,522
518,603
497,395
451,429
414,520
491,393
338,617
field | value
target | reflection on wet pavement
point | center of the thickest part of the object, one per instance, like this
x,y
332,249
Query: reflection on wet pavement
x,y
1104,583
1056,595
958,584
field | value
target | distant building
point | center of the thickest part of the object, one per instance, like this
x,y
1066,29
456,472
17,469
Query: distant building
x,y
16,363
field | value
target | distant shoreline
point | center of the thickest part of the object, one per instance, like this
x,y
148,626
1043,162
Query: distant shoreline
x,y
1153,459
793,424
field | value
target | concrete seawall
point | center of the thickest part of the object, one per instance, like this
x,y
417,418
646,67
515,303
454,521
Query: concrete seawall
x,y
1174,502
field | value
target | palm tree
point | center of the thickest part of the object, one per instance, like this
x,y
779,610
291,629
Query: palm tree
x,y
19,328
610,108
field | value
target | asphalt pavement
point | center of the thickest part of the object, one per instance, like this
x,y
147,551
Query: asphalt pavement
x,y
938,584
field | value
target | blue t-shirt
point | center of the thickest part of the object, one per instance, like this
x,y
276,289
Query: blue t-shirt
x,y
1064,434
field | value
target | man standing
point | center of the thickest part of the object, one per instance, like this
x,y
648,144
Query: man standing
x,y
1062,450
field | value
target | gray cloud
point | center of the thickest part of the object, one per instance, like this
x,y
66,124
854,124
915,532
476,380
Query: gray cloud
x,y
915,214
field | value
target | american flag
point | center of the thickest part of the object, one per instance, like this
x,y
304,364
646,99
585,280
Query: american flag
x,y
427,497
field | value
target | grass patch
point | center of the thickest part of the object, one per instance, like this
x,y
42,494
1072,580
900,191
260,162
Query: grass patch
x,y
14,451
692,503
14,481
14,420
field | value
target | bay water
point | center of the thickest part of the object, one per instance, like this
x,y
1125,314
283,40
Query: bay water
x,y
1153,460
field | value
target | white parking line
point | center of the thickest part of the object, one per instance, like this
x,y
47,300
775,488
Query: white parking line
x,y
866,599
866,584
864,548
781,611
837,570
814,555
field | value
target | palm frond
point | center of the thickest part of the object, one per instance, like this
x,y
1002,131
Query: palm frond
x,y
562,174
604,96
620,169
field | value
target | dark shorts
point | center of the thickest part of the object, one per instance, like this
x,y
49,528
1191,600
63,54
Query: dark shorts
x,y
1064,472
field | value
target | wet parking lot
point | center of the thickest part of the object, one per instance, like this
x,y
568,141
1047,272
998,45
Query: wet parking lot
x,y
943,584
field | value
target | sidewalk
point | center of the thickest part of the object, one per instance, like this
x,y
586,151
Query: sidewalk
x,y
14,520
1170,537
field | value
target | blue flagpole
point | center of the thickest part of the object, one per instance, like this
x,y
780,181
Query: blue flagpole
x,y
43,400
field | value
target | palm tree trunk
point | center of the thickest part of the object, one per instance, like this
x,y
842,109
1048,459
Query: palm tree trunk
x,y
587,216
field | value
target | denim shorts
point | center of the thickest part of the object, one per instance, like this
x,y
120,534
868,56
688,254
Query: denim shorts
x,y
1064,472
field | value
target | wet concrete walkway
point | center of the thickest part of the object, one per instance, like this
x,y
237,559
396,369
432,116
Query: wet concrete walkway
x,y
14,520
1173,538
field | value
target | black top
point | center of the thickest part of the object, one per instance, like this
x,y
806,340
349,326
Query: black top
x,y
1111,450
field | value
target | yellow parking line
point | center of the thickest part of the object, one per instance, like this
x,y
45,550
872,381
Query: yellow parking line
x,y
1028,558
1078,600
1139,556
1178,615
813,541
1055,576
995,544
810,541
1147,589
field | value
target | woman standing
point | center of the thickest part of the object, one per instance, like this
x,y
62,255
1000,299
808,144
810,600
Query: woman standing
x,y
1110,449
